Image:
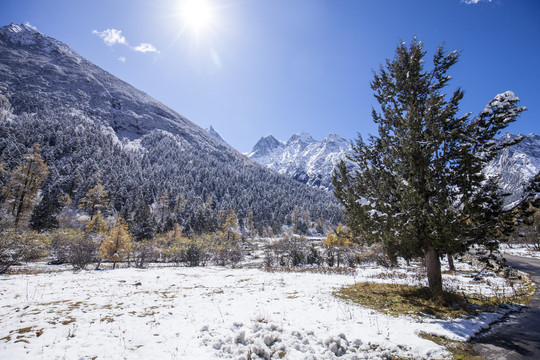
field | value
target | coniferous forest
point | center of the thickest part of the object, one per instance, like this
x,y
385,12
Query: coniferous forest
x,y
165,169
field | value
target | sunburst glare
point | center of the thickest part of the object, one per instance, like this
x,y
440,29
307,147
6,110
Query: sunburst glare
x,y
197,15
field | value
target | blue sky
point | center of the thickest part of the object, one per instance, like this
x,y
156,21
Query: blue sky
x,y
277,67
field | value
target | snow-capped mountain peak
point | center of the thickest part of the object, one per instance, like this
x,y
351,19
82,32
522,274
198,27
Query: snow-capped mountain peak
x,y
28,36
302,157
301,137
24,34
21,30
312,162
215,134
266,144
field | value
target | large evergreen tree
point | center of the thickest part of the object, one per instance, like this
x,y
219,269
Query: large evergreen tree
x,y
419,188
44,215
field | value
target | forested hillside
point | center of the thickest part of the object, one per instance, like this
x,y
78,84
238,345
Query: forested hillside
x,y
156,167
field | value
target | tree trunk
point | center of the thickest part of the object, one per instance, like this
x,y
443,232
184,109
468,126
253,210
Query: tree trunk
x,y
433,268
451,263
19,208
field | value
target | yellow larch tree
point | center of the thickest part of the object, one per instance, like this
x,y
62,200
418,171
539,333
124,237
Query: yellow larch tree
x,y
117,244
24,183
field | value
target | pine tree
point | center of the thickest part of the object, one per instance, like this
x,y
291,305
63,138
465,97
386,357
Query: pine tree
x,y
320,225
420,189
249,223
143,225
162,210
295,220
24,183
96,199
44,215
117,244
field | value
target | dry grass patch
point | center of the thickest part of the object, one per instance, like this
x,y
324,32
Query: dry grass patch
x,y
396,299
22,334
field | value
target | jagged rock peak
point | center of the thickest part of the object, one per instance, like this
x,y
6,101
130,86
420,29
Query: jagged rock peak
x,y
267,143
215,134
516,165
302,137
18,30
302,158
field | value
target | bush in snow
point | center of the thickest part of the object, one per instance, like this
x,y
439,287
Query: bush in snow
x,y
291,251
144,251
73,247
20,245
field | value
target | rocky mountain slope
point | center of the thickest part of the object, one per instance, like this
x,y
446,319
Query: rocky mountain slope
x,y
95,127
516,165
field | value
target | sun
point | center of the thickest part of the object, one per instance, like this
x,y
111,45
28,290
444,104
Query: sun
x,y
197,15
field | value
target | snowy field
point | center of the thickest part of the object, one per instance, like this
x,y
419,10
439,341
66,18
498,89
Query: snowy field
x,y
524,250
212,312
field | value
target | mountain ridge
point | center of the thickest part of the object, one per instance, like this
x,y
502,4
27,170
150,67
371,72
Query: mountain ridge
x,y
130,118
302,157
311,162
94,127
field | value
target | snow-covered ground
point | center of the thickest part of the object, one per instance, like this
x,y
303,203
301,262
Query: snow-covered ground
x,y
213,312
525,250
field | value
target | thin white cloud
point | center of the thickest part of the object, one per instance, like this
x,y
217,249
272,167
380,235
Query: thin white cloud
x,y
122,59
111,36
145,47
469,2
114,36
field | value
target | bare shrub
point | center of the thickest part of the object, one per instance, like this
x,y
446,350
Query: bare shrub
x,y
374,254
74,247
289,251
144,251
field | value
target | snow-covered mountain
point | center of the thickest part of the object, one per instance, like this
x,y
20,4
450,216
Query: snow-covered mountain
x,y
215,134
516,165
302,158
312,162
93,127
